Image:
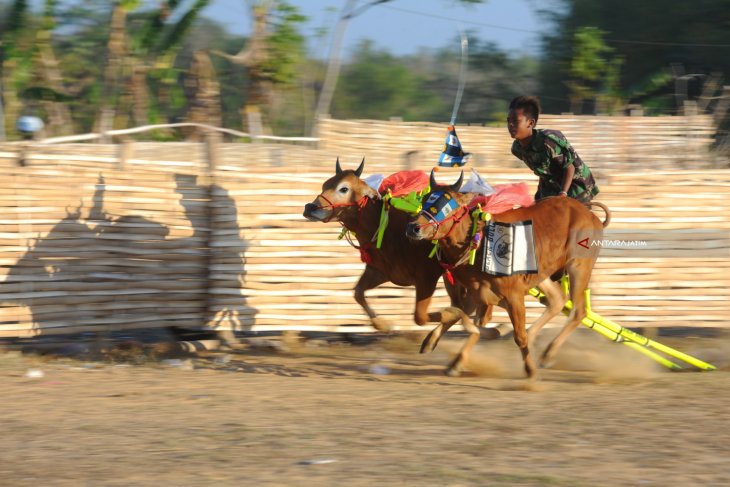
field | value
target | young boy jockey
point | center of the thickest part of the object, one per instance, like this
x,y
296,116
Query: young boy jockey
x,y
548,153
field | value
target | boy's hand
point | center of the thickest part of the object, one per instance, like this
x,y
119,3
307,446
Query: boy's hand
x,y
563,194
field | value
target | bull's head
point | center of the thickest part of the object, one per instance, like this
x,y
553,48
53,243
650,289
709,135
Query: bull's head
x,y
442,208
341,195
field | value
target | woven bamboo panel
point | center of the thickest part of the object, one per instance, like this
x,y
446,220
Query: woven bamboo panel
x,y
90,242
606,144
88,246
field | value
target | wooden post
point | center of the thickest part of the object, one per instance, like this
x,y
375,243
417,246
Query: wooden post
x,y
23,154
212,140
722,106
253,122
689,108
125,153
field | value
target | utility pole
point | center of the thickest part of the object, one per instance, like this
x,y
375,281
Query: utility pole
x,y
335,61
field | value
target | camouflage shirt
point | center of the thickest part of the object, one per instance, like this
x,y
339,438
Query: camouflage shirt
x,y
549,154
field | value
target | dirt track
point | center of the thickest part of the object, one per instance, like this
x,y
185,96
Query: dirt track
x,y
377,414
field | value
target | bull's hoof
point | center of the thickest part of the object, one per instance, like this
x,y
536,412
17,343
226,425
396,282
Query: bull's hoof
x,y
489,334
546,361
429,344
381,324
499,331
452,372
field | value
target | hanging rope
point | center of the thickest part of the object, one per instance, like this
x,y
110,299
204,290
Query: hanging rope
x,y
462,75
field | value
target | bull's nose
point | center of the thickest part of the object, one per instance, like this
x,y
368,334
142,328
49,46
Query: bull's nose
x,y
309,208
411,230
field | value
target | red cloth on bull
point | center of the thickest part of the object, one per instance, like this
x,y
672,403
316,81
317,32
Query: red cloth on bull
x,y
453,154
506,197
439,205
404,182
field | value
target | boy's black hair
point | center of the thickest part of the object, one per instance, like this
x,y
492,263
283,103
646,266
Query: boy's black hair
x,y
530,106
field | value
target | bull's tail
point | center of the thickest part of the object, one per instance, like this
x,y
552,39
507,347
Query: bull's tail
x,y
605,210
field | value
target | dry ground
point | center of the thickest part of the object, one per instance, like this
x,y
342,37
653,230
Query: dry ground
x,y
376,414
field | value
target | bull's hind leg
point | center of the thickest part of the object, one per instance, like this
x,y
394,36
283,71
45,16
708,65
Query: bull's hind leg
x,y
579,272
370,279
555,302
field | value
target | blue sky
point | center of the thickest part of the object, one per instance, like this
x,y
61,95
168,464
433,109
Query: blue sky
x,y
405,26
400,26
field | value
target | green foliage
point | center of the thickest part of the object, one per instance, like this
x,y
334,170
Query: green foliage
x,y
45,93
423,87
590,53
208,36
163,35
16,20
494,78
85,28
177,32
594,71
128,5
48,21
377,85
285,43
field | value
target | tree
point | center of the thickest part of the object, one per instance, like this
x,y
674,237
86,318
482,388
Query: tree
x,y
141,56
379,85
270,56
208,36
693,35
493,79
16,36
594,72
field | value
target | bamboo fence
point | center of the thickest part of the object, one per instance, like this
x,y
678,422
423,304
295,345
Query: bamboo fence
x,y
107,237
605,143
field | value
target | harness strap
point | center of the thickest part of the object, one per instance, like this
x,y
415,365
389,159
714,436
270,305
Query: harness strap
x,y
359,203
457,217
476,240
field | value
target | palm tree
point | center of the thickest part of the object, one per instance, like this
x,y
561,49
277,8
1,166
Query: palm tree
x,y
142,60
273,50
15,62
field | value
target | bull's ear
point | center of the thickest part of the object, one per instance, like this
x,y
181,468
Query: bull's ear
x,y
358,171
457,184
338,169
432,181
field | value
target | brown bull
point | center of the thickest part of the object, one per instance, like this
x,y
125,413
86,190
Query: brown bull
x,y
558,225
349,200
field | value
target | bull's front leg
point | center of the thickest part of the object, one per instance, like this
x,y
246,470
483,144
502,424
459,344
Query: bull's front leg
x,y
445,318
370,279
462,358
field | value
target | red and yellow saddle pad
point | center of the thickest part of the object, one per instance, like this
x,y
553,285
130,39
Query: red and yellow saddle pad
x,y
404,182
506,197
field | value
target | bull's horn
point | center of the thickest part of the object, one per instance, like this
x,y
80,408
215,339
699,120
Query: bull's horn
x,y
338,169
358,171
457,184
432,180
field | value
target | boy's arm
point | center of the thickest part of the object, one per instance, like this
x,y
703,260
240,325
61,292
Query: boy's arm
x,y
567,179
560,154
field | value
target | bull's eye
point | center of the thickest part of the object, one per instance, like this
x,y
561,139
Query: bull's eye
x,y
344,189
